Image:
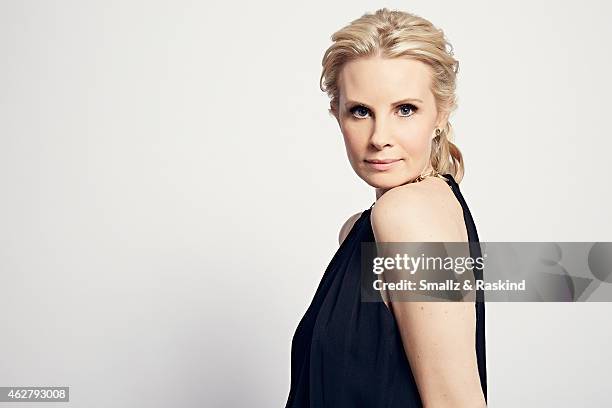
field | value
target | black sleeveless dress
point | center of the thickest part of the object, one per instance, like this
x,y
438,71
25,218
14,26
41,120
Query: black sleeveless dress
x,y
346,353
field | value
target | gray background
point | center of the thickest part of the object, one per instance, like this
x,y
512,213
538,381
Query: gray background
x,y
172,189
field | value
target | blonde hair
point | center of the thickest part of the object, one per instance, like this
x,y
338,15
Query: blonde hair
x,y
393,34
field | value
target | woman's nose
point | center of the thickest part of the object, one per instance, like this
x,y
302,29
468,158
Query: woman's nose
x,y
381,135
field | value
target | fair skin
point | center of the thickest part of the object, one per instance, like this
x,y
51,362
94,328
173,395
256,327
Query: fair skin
x,y
395,117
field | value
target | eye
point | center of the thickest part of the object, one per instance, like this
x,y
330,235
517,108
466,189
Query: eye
x,y
407,107
359,108
359,111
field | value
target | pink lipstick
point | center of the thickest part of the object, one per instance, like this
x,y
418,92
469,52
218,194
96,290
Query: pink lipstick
x,y
382,164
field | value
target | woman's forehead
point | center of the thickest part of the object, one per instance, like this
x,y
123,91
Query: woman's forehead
x,y
387,78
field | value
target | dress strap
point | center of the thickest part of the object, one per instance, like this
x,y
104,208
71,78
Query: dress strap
x,y
469,221
449,179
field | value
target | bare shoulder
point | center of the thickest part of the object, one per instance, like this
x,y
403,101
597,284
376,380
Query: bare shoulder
x,y
438,337
427,211
347,226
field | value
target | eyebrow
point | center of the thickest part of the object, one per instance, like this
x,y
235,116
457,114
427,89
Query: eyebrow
x,y
394,103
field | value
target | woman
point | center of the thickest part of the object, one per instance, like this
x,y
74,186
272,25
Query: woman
x,y
391,81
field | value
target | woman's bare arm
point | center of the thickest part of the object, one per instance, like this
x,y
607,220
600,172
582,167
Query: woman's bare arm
x,y
438,337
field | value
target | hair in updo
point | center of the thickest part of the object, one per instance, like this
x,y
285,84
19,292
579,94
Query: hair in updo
x,y
393,34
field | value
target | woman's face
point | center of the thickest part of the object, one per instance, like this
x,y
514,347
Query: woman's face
x,y
387,112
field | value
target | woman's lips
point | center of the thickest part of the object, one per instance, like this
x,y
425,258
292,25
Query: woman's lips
x,y
382,164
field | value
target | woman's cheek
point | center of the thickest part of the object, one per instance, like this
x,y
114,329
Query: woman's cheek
x,y
350,142
353,138
416,146
350,128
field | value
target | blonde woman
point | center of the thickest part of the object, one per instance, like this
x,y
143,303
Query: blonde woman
x,y
391,79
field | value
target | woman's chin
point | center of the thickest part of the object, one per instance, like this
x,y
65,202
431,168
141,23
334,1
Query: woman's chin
x,y
383,180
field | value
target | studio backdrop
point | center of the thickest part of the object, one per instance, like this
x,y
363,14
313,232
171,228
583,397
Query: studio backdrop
x,y
172,187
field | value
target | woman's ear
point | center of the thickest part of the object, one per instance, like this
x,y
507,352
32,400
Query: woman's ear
x,y
442,120
334,112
